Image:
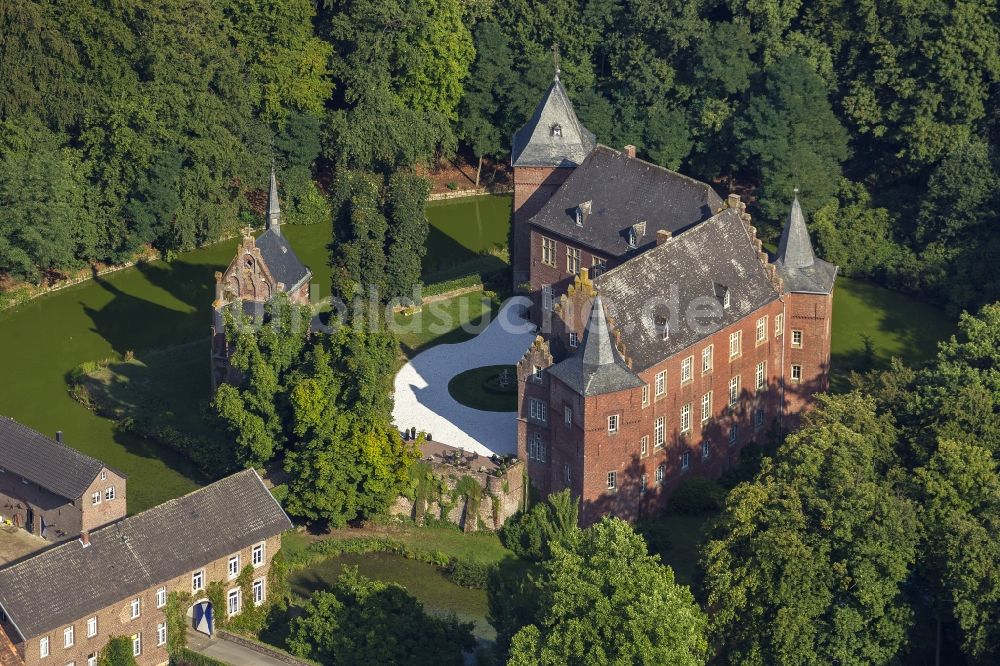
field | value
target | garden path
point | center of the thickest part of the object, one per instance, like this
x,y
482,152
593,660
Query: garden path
x,y
421,386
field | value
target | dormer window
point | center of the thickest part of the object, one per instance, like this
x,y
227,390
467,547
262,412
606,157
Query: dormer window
x,y
582,211
557,130
662,327
726,298
632,240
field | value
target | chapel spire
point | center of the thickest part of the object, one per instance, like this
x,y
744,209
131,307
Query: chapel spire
x,y
273,207
795,249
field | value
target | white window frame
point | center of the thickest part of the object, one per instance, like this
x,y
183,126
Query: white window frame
x,y
95,498
92,659
706,450
161,634
659,433
644,446
92,626
234,571
547,297
198,580
661,472
573,260
706,407
760,375
661,383
257,555
612,480
735,344
104,475
687,370
536,447
137,644
613,424
762,329
69,637
645,395
259,592
797,339
536,374
685,460
734,390
548,251
567,415
685,424
574,340
109,494
135,607
779,324
233,602
726,298
706,359
597,266
538,410
43,647
796,374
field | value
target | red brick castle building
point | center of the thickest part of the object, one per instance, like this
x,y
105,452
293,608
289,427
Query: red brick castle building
x,y
670,339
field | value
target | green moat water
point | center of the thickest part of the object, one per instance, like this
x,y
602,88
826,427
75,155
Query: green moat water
x,y
163,304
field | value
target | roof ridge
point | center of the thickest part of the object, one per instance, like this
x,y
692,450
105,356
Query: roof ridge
x,y
659,167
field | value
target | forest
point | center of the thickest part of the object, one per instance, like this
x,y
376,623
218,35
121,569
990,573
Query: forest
x,y
131,125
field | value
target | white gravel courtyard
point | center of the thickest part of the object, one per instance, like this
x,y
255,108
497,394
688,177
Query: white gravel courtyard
x,y
421,386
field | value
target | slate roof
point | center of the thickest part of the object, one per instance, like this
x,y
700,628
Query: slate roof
x,y
685,276
37,458
598,367
281,259
68,581
796,262
536,145
624,191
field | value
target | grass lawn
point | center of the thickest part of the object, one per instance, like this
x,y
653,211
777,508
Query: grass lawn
x,y
898,325
449,321
480,388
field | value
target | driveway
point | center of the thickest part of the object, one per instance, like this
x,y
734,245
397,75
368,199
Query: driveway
x,y
229,652
421,387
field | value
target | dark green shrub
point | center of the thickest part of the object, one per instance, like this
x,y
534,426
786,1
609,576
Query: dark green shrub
x,y
697,495
468,573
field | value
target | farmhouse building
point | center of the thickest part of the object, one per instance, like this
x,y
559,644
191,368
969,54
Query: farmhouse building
x,y
669,338
61,605
261,269
52,490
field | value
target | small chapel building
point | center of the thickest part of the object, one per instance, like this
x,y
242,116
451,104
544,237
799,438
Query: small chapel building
x,y
262,268
669,340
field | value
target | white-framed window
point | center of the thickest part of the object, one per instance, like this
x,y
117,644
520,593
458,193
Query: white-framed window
x,y
762,329
567,474
612,480
706,359
642,484
161,633
536,448
797,339
234,566
257,555
706,407
109,493
137,644
727,298
645,395
572,260
779,324
661,471
796,373
536,374
547,297
548,251
198,580
734,433
758,417
760,376
91,627
687,369
598,266
96,498
661,383
734,390
735,343
92,659
104,475
574,340
686,417
258,592
685,460
233,602
659,432
537,410
644,446
568,415
613,423
706,450
136,607
68,637
43,647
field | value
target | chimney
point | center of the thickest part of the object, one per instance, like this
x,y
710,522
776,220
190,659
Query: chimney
x,y
630,151
59,436
733,200
662,236
85,539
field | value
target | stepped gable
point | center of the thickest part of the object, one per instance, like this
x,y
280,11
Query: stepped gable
x,y
797,264
553,137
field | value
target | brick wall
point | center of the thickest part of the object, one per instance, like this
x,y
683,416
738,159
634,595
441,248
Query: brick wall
x,y
557,276
533,186
109,509
812,315
116,620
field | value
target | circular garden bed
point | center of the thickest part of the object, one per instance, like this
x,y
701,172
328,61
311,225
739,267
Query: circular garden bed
x,y
491,388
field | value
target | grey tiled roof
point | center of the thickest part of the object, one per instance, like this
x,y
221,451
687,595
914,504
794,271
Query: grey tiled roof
x,y
624,191
37,458
281,259
797,264
68,582
686,275
598,367
535,144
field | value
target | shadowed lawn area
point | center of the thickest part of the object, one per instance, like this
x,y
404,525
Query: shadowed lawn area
x,y
444,322
481,388
898,325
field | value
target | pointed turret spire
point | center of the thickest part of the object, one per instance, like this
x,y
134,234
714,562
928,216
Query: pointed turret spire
x,y
795,249
553,136
273,208
598,349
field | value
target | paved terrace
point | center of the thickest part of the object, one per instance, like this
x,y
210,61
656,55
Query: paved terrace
x,y
15,543
422,400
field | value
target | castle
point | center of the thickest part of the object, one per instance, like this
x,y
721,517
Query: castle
x,y
669,338
261,269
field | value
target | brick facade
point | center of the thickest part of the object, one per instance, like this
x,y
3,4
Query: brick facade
x,y
533,186
116,620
